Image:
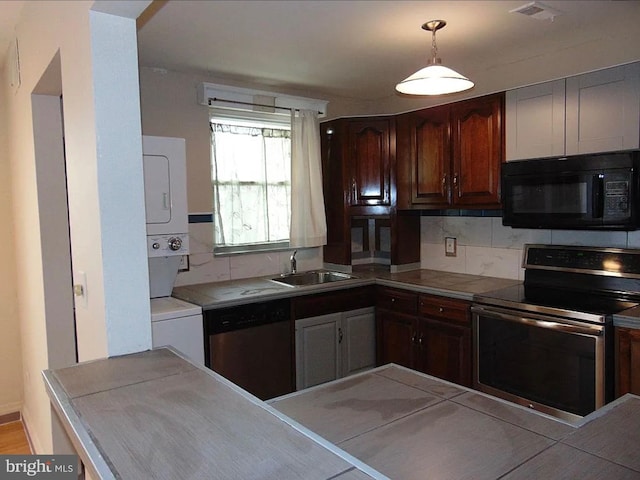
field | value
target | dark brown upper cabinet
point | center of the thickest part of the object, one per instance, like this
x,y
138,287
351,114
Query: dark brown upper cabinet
x,y
478,151
450,156
336,192
358,170
430,157
369,160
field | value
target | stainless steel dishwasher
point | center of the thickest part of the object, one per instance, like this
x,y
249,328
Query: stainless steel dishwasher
x,y
252,345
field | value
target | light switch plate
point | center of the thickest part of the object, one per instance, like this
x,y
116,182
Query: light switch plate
x,y
450,246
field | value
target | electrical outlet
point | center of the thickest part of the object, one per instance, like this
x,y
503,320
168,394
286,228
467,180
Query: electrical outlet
x,y
450,246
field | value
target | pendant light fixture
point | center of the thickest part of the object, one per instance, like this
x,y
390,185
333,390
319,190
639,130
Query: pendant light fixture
x,y
434,79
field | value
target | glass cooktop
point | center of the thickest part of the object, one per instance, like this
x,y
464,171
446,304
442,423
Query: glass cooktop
x,y
555,301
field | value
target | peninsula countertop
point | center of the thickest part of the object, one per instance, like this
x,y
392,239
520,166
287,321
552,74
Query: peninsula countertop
x,y
237,292
155,415
409,425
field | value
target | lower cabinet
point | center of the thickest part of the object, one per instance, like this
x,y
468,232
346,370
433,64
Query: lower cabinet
x,y
627,357
334,345
444,351
394,332
428,333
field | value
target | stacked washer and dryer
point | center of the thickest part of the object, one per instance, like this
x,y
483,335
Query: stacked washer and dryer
x,y
173,322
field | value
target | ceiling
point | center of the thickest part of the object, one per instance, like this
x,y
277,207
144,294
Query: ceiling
x,y
361,49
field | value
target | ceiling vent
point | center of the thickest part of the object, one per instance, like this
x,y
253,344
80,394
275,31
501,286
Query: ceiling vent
x,y
537,10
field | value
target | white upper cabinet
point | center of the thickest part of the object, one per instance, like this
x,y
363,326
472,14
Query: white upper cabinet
x,y
535,121
603,110
593,112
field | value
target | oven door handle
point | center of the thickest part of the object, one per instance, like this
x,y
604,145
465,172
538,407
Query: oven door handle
x,y
539,321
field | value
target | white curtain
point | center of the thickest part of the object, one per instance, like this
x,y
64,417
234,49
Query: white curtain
x,y
308,223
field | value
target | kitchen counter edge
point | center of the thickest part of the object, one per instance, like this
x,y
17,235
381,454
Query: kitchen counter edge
x,y
230,293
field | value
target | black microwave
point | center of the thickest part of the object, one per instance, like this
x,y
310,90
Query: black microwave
x,y
594,191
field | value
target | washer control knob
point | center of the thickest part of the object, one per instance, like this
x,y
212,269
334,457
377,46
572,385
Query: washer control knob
x,y
155,245
175,243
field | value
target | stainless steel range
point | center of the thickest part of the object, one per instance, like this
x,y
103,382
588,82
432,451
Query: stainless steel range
x,y
548,343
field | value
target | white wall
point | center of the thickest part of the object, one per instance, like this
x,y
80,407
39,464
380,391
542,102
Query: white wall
x,y
120,188
98,58
54,228
169,108
10,351
204,267
486,247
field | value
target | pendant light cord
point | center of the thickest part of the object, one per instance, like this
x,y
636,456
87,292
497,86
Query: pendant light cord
x,y
434,47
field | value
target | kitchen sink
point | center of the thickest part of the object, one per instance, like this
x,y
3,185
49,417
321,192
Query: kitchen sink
x,y
310,278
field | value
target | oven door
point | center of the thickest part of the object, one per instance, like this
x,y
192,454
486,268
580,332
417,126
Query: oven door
x,y
550,364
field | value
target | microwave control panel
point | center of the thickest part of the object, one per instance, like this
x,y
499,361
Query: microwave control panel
x,y
616,198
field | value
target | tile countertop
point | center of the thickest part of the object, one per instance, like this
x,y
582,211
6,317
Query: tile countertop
x,y
237,292
408,425
155,415
454,285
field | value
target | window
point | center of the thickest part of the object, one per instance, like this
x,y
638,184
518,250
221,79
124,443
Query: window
x,y
251,179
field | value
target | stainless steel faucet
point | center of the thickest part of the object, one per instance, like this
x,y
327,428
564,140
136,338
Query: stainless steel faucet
x,y
294,267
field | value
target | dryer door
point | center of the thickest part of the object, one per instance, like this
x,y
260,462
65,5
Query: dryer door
x,y
157,191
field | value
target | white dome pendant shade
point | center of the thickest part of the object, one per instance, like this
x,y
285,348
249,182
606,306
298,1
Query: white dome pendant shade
x,y
434,79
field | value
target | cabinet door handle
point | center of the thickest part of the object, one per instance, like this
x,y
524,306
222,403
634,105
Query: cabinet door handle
x,y
414,338
339,335
455,179
444,184
441,309
420,340
393,300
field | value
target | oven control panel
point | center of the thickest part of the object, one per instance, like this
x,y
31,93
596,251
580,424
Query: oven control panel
x,y
606,261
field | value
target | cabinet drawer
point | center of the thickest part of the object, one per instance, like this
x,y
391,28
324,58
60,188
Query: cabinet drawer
x,y
397,300
445,309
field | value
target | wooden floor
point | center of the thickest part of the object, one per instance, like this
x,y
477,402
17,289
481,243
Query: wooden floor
x,y
13,440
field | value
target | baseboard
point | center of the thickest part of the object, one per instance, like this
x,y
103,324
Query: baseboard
x,y
10,409
25,423
9,417
29,441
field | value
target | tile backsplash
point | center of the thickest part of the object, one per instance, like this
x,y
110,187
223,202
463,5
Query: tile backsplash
x,y
205,267
486,247
370,241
